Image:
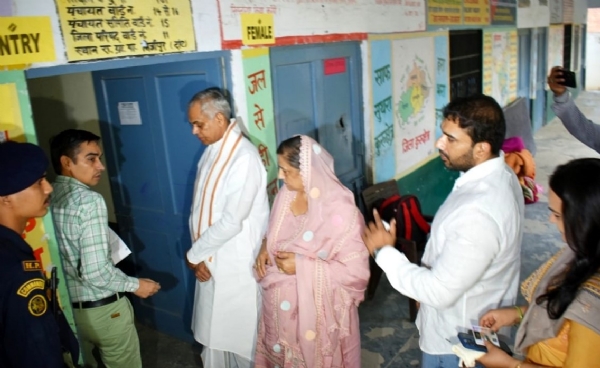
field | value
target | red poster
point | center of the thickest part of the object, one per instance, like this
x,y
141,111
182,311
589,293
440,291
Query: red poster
x,y
334,66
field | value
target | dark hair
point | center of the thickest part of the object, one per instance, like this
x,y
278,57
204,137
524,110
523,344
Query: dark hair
x,y
577,184
290,149
66,143
482,118
212,101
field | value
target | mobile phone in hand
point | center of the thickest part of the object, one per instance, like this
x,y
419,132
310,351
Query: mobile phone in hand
x,y
570,80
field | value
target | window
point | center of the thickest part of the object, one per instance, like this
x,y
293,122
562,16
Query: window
x,y
466,73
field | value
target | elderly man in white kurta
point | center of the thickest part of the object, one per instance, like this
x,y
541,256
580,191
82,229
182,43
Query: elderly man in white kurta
x,y
229,218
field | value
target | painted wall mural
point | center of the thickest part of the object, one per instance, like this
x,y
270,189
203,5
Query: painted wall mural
x,y
409,88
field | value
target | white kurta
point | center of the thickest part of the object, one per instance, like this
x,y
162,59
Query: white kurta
x,y
226,307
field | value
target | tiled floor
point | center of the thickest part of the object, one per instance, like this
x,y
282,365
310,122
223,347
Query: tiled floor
x,y
388,339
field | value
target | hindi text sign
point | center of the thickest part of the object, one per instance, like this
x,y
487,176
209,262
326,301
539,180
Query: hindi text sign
x,y
99,29
261,116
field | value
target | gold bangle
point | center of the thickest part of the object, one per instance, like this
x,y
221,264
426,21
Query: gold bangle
x,y
518,365
520,311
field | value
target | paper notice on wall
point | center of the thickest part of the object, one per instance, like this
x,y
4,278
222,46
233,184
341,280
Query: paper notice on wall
x,y
129,113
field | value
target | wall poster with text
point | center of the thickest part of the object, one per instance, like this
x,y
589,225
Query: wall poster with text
x,y
261,116
101,29
500,65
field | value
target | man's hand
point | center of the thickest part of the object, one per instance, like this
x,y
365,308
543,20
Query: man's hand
x,y
262,260
376,236
190,265
286,262
147,288
202,272
556,77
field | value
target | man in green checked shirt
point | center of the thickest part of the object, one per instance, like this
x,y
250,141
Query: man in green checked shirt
x,y
102,313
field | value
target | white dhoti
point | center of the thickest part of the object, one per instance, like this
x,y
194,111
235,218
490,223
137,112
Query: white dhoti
x,y
212,358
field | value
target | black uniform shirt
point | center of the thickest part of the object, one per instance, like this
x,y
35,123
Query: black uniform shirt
x,y
29,334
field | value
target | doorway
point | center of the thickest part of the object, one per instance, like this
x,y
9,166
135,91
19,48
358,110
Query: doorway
x,y
151,159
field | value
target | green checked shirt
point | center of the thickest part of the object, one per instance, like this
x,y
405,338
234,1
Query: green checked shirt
x,y
81,224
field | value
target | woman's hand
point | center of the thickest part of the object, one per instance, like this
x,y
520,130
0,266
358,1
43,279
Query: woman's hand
x,y
286,262
262,260
497,358
498,318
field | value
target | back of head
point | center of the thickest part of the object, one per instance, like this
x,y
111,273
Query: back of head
x,y
21,165
481,116
67,143
213,101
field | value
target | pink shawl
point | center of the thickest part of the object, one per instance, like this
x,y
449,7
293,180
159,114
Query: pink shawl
x,y
306,326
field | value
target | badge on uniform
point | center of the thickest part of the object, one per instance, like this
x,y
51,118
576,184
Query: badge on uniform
x,y
37,305
31,285
32,266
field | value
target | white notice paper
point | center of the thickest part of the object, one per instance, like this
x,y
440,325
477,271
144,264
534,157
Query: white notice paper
x,y
118,248
129,113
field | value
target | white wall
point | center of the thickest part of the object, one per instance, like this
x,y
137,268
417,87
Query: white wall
x,y
592,62
67,102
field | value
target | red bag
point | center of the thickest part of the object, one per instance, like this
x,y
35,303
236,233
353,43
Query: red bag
x,y
410,222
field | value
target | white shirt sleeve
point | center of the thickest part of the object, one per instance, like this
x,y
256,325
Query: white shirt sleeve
x,y
472,241
240,189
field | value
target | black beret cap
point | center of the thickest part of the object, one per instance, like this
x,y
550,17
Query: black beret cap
x,y
21,165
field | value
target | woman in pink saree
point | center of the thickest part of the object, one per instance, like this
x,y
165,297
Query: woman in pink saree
x,y
313,267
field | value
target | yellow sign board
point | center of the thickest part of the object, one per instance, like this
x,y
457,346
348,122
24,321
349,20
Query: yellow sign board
x,y
96,29
257,29
444,12
10,113
476,12
26,40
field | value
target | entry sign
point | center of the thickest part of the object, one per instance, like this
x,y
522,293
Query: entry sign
x,y
26,40
257,29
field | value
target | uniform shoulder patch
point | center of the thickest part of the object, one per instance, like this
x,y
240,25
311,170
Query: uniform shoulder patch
x,y
37,305
32,266
31,285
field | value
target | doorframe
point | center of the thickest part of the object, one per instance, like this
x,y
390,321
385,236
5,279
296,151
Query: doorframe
x,y
99,65
524,79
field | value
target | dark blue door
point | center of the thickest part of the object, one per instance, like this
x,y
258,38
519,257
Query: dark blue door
x,y
316,91
151,160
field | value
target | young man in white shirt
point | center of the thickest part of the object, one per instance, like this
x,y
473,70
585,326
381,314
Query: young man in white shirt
x,y
472,259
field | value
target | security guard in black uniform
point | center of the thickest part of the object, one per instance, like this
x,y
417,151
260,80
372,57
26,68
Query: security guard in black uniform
x,y
31,335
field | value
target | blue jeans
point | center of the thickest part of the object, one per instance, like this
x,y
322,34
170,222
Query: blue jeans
x,y
441,361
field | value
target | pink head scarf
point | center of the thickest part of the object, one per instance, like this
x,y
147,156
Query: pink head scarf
x,y
331,260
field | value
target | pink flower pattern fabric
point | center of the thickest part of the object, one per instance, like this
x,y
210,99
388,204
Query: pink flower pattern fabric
x,y
310,319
